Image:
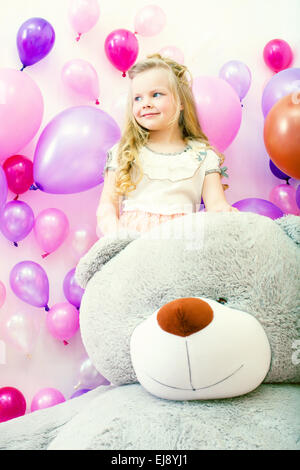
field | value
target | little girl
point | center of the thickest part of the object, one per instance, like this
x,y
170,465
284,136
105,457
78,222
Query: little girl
x,y
163,164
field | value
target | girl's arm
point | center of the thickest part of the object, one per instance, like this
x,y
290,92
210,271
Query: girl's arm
x,y
213,195
108,208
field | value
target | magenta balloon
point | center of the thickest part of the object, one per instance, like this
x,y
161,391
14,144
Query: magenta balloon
x,y
16,220
29,282
63,321
73,292
259,206
121,48
21,111
35,40
218,109
12,403
277,54
3,188
71,152
45,398
284,197
282,84
238,75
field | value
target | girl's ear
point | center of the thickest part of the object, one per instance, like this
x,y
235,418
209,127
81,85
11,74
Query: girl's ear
x,y
100,253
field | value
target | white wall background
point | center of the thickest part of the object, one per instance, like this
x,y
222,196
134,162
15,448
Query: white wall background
x,y
209,33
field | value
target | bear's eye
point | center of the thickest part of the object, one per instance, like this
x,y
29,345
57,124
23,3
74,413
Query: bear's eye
x,y
221,300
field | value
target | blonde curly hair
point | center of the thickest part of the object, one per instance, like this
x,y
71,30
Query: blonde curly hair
x,y
135,136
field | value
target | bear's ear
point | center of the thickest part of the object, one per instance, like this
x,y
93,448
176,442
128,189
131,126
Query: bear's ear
x,y
291,225
100,253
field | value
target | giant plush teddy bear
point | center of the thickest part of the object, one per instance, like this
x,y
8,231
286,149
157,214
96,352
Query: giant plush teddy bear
x,y
229,266
247,261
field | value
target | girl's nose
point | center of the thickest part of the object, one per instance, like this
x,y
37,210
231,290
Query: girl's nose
x,y
185,316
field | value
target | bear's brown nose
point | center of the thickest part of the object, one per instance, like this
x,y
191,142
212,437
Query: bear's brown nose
x,y
185,316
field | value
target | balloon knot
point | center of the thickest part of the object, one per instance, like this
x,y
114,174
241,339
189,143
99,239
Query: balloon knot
x,y
47,308
124,74
135,32
15,243
21,70
33,187
45,255
97,101
78,37
65,342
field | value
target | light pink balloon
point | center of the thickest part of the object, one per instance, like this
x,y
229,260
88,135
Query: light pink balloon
x,y
83,15
219,110
2,294
80,241
20,330
284,197
62,321
150,20
173,53
81,77
45,398
21,111
51,228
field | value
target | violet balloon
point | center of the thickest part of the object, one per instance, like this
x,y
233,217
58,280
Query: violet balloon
x,y
71,152
121,48
238,75
12,403
29,281
80,392
3,188
72,290
298,196
45,398
21,111
284,197
259,206
35,40
51,228
282,84
278,173
16,220
62,321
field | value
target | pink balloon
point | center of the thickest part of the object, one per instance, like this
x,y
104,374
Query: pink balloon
x,y
12,403
51,229
45,398
81,240
83,15
62,321
21,110
21,331
173,53
278,55
284,197
219,110
150,20
81,77
2,294
121,48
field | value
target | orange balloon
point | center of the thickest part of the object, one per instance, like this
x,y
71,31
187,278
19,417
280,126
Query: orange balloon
x,y
282,134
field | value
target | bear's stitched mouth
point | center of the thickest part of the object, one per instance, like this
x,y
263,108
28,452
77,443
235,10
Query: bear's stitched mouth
x,y
195,389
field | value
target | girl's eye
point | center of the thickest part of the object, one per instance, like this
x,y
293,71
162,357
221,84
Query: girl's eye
x,y
156,93
137,98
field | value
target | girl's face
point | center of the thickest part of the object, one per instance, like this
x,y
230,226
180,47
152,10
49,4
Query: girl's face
x,y
153,103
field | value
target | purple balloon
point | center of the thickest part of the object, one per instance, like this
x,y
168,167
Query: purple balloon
x,y
80,392
73,292
259,206
71,152
29,282
278,173
16,220
3,187
238,75
281,84
35,40
298,196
